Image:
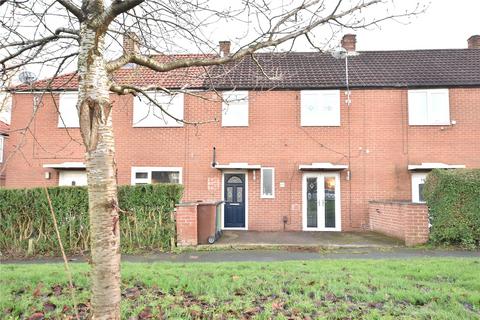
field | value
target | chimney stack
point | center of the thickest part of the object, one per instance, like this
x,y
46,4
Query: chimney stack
x,y
224,48
131,42
474,42
349,42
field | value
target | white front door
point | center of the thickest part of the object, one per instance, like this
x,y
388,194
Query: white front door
x,y
321,202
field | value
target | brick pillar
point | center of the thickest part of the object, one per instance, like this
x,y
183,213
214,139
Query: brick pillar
x,y
186,220
416,224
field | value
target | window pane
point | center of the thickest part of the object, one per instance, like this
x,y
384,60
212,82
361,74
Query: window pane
x,y
234,179
420,192
141,175
320,108
438,110
1,148
147,114
267,182
329,202
67,109
417,107
239,194
229,197
312,203
235,109
165,177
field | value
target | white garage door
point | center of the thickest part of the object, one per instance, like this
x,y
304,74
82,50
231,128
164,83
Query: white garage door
x,y
72,178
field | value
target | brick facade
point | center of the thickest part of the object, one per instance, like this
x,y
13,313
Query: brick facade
x,y
374,131
403,220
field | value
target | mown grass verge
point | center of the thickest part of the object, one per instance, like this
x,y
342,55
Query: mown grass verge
x,y
433,288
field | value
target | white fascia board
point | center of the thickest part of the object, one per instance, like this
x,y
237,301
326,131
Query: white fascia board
x,y
238,166
323,166
434,165
66,165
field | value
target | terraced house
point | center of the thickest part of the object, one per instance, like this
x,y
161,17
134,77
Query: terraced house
x,y
287,146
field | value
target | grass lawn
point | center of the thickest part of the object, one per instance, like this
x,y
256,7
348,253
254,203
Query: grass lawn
x,y
443,288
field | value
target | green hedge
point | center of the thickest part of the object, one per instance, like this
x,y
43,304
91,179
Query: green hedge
x,y
453,197
25,219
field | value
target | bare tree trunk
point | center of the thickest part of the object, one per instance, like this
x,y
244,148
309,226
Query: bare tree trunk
x,y
97,132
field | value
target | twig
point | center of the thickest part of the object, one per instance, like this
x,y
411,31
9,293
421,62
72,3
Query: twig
x,y
65,261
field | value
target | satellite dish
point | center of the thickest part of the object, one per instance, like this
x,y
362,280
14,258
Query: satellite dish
x,y
27,77
339,53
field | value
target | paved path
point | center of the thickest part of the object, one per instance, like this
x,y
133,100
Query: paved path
x,y
277,255
324,239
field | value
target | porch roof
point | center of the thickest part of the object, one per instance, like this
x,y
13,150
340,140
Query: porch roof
x,y
66,165
238,166
434,165
322,166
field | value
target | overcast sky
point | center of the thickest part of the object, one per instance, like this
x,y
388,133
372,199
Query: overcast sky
x,y
445,24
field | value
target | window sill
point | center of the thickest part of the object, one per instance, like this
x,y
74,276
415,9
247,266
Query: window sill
x,y
319,126
430,125
162,127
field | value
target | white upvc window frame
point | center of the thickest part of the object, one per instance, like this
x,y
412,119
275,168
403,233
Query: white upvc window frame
x,y
67,110
416,120
235,100
306,119
154,117
2,147
267,196
149,170
417,179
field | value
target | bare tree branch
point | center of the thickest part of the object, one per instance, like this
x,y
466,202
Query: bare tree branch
x,y
73,9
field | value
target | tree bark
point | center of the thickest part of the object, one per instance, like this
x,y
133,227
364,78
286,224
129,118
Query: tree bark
x,y
94,108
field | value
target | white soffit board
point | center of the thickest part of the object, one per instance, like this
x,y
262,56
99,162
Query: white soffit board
x,y
434,165
66,165
323,166
238,165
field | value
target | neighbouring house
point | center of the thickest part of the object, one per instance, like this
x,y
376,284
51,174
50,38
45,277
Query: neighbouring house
x,y
4,128
291,147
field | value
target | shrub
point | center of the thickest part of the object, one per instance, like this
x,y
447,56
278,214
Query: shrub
x,y
145,220
453,197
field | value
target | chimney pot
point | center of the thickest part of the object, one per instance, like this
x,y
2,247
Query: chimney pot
x,y
131,42
474,42
349,42
224,48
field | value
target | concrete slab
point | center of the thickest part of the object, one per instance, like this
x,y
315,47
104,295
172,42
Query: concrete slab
x,y
235,238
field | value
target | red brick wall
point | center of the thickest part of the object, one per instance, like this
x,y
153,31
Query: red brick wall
x,y
381,146
404,220
186,220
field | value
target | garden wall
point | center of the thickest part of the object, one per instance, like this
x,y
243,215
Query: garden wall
x,y
400,219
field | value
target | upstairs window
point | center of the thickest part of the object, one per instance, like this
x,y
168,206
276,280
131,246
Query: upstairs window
x,y
235,109
67,110
2,139
320,108
428,107
147,114
154,175
268,183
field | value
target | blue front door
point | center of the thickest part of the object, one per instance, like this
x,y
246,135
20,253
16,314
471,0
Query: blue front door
x,y
234,195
